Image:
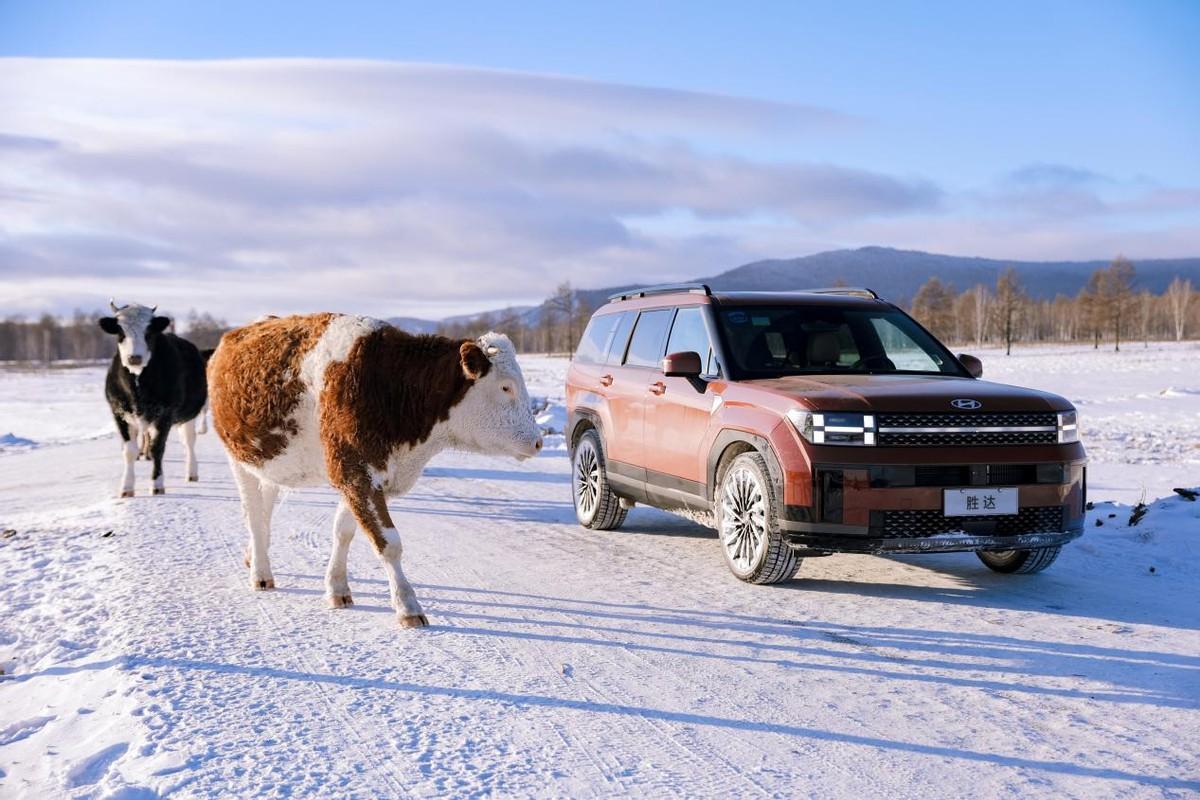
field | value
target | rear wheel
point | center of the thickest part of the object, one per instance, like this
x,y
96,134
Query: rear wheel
x,y
596,506
1020,562
747,522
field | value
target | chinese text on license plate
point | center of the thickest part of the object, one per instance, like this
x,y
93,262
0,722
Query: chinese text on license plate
x,y
980,502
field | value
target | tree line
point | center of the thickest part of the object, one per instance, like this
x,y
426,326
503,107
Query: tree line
x,y
1109,308
79,338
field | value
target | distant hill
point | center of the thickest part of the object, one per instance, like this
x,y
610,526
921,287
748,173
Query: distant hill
x,y
414,324
897,274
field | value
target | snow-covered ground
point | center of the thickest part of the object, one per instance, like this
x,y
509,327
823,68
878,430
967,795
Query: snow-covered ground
x,y
567,662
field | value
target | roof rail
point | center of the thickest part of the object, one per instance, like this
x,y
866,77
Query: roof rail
x,y
663,288
856,291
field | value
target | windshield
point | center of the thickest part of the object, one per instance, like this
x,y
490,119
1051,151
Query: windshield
x,y
771,341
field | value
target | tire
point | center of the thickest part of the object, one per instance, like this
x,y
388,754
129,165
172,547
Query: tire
x,y
746,507
1020,562
596,506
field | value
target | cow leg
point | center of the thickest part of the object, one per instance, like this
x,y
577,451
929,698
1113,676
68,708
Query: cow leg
x,y
202,419
187,432
144,442
337,584
258,522
129,451
158,445
369,506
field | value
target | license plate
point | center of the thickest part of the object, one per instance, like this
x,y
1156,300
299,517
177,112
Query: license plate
x,y
982,502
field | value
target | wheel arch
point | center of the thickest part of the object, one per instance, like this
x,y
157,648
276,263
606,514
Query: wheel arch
x,y
731,443
582,420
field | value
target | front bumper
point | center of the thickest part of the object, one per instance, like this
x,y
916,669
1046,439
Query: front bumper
x,y
812,543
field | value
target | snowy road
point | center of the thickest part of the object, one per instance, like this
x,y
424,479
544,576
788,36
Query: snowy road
x,y
566,662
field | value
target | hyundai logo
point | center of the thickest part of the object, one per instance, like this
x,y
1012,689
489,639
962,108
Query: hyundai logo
x,y
966,404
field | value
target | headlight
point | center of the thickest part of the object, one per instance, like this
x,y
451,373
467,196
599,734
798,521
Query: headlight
x,y
1068,427
833,427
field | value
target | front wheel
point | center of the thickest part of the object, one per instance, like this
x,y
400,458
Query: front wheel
x,y
747,522
596,506
1021,562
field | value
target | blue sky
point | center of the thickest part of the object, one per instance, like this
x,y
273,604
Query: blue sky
x,y
1021,130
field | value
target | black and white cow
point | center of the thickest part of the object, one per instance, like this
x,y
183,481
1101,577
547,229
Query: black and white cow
x,y
156,381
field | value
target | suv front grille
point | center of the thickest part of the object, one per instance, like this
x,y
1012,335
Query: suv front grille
x,y
933,430
910,524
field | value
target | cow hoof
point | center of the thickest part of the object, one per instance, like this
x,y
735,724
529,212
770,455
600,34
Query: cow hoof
x,y
262,586
158,490
340,601
414,621
193,478
127,493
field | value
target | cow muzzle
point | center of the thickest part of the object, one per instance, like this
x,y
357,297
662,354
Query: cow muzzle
x,y
529,449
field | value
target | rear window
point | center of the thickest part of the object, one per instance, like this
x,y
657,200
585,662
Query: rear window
x,y
597,339
646,346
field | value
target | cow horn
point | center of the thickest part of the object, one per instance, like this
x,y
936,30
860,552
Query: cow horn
x,y
114,307
152,310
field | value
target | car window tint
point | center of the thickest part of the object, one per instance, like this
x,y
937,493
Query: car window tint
x,y
646,346
597,338
688,333
620,337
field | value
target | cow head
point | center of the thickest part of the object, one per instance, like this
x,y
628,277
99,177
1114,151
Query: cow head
x,y
494,415
136,329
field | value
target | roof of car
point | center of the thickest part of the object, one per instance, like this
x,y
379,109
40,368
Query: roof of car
x,y
825,298
692,294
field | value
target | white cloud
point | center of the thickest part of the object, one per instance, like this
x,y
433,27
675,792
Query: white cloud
x,y
247,187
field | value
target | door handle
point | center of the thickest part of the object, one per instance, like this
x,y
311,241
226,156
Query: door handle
x,y
606,380
658,387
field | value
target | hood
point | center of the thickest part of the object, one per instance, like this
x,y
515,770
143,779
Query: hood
x,y
895,393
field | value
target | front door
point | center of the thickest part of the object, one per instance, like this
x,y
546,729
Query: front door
x,y
678,413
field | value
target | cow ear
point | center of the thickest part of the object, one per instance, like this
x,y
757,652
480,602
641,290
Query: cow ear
x,y
159,324
110,325
474,363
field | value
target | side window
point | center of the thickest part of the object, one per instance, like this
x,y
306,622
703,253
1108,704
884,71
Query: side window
x,y
646,346
597,338
620,337
689,334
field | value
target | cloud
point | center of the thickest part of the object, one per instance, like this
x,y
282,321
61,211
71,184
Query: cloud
x,y
250,187
1043,174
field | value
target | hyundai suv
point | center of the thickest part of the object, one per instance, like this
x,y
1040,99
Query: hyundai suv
x,y
810,423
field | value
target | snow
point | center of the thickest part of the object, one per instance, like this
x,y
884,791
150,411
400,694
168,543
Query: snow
x,y
566,662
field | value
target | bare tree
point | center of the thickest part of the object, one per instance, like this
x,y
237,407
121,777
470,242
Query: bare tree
x,y
1179,294
933,306
982,302
1091,306
1010,298
1117,286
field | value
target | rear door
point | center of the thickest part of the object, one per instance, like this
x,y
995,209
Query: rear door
x,y
679,409
631,375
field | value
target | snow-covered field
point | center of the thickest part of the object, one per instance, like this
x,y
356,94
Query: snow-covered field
x,y
564,662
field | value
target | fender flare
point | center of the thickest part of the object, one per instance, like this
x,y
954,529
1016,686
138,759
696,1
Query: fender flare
x,y
728,437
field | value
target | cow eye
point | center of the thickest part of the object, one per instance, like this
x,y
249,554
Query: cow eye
x,y
507,389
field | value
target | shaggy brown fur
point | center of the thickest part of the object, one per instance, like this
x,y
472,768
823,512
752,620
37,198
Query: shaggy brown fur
x,y
389,392
254,384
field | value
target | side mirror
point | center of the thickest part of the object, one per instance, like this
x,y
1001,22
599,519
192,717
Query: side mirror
x,y
972,364
682,365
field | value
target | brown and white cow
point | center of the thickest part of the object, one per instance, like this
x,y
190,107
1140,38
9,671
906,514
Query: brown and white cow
x,y
359,404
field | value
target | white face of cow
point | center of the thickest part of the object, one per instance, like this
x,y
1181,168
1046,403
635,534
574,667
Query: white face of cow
x,y
135,327
495,416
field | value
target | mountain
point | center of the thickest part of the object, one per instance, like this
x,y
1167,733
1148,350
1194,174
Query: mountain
x,y
897,274
414,324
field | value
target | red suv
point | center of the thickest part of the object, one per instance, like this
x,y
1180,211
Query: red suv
x,y
816,422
